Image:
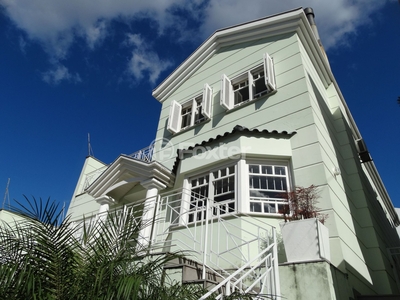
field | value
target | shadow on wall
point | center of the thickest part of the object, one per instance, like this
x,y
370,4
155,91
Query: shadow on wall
x,y
369,220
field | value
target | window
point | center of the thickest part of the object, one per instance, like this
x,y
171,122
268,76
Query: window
x,y
191,112
268,185
249,86
219,186
261,186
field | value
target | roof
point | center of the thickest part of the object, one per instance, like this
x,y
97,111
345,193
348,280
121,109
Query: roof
x,y
290,21
236,129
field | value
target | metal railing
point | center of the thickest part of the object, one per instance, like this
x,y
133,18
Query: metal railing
x,y
145,154
92,176
239,248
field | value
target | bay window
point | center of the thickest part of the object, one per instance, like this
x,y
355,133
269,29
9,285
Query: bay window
x,y
263,188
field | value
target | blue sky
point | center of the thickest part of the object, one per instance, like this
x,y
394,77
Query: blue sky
x,y
69,68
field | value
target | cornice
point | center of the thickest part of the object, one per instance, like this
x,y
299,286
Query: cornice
x,y
126,170
291,21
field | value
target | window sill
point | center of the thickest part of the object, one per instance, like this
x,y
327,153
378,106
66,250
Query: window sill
x,y
191,127
247,103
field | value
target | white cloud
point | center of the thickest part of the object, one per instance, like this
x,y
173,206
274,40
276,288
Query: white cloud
x,y
22,44
143,60
96,33
56,24
335,19
58,74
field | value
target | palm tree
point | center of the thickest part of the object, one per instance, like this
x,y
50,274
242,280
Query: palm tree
x,y
43,257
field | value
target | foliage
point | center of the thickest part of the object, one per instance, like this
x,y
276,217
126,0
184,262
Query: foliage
x,y
46,257
302,203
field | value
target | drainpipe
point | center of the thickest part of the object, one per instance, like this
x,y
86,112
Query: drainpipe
x,y
311,19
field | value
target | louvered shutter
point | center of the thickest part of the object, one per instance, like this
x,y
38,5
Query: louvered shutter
x,y
207,96
175,120
269,72
226,99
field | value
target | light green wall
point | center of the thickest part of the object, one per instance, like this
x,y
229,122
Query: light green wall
x,y
285,110
8,218
355,216
323,142
82,203
313,281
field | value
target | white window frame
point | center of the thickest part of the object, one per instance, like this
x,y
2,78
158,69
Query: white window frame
x,y
267,204
197,206
228,100
191,107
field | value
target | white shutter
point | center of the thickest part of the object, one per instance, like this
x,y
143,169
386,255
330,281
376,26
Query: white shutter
x,y
269,72
175,119
226,99
206,102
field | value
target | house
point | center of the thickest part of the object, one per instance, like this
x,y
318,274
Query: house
x,y
252,113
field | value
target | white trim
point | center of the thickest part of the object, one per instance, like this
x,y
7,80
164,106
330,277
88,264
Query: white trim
x,y
287,22
226,94
207,101
175,118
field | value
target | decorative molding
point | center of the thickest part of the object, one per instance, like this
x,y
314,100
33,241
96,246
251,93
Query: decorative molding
x,y
287,22
125,170
153,183
105,200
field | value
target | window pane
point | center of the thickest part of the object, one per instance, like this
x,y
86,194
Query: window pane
x,y
241,92
266,169
270,183
263,183
254,169
269,208
223,172
232,170
224,197
254,181
186,116
199,110
255,207
259,84
280,171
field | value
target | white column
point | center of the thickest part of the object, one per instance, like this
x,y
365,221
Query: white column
x,y
185,205
242,180
104,202
153,186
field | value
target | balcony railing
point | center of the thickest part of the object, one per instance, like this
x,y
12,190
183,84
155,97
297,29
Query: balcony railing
x,y
145,154
92,176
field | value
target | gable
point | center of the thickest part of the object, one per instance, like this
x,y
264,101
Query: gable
x,y
293,21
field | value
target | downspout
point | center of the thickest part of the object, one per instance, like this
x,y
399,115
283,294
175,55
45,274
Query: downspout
x,y
309,12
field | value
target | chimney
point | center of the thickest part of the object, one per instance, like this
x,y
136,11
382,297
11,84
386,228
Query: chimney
x,y
310,17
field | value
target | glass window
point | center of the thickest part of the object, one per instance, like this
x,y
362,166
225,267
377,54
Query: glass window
x,y
219,187
268,185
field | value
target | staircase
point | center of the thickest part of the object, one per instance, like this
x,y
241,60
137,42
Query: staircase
x,y
227,252
191,272
224,252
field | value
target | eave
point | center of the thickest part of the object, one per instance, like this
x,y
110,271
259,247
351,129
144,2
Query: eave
x,y
125,170
287,22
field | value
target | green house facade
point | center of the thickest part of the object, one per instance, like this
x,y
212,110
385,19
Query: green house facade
x,y
254,112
